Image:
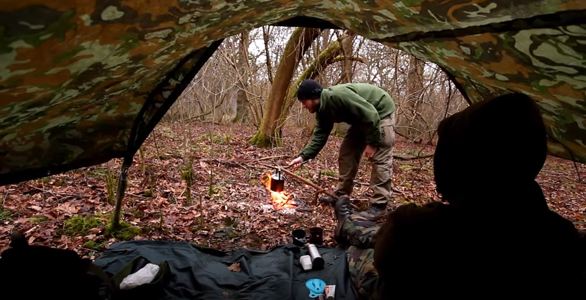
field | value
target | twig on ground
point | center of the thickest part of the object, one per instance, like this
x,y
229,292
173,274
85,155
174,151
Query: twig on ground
x,y
295,176
56,195
272,157
406,158
229,163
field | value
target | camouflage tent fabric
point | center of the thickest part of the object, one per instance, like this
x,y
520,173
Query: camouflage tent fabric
x,y
82,82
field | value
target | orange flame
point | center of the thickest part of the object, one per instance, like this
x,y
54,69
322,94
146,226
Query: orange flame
x,y
280,200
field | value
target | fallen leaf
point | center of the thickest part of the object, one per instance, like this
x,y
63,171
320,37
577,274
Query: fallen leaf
x,y
67,208
36,208
235,267
222,190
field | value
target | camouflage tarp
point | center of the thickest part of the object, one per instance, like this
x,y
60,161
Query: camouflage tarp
x,y
82,82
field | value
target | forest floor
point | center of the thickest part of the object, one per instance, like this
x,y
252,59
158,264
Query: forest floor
x,y
227,205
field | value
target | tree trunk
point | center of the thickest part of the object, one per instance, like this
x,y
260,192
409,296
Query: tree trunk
x,y
412,100
328,56
341,128
268,133
242,103
265,37
347,50
241,107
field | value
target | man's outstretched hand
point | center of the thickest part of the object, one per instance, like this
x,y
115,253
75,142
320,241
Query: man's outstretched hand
x,y
296,162
369,151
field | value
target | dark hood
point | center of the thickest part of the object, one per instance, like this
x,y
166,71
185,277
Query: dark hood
x,y
492,148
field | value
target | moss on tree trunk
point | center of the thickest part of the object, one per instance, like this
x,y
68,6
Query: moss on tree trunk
x,y
265,141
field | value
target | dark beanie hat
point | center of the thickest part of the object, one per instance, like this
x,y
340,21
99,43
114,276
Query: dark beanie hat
x,y
488,145
309,89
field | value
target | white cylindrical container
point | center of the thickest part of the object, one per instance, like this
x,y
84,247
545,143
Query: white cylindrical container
x,y
305,261
316,260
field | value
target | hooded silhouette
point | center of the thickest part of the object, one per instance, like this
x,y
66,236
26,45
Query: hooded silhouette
x,y
494,234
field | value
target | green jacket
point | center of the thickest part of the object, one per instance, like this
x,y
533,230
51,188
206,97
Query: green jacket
x,y
358,104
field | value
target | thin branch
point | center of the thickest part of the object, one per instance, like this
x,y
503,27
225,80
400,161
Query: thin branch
x,y
4,199
230,163
271,157
205,113
265,37
573,158
416,157
299,178
364,184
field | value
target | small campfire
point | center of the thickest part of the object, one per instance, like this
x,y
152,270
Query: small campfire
x,y
280,199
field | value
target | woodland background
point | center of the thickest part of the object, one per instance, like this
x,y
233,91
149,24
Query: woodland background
x,y
198,177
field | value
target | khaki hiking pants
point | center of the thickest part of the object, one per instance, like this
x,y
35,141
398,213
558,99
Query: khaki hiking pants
x,y
349,160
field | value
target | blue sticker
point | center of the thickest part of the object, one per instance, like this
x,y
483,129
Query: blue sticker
x,y
316,287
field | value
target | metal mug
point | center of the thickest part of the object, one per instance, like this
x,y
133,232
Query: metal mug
x,y
298,237
316,235
277,181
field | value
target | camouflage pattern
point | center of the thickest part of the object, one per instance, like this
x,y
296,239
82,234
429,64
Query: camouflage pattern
x,y
85,81
359,231
547,64
362,271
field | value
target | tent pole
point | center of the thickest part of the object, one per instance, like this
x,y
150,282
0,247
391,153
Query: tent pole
x,y
120,192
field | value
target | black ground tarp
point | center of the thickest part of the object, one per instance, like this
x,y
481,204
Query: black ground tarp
x,y
202,273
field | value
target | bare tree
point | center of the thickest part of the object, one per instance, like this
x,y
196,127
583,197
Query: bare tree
x,y
250,75
269,134
410,125
242,103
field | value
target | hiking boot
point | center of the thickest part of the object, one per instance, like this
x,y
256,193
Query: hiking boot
x,y
342,210
331,200
374,212
327,199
